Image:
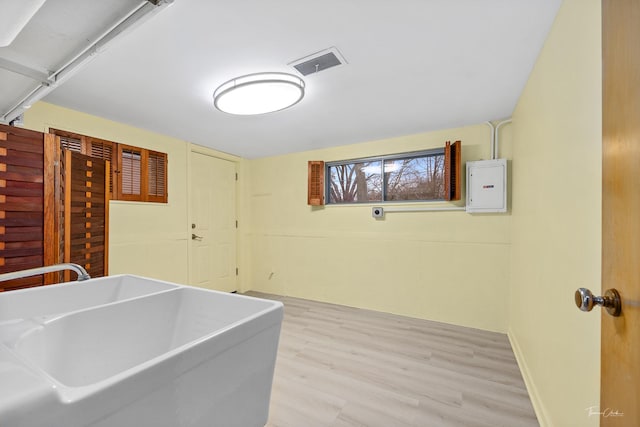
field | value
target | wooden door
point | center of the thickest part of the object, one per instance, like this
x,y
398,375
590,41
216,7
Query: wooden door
x,y
620,345
213,223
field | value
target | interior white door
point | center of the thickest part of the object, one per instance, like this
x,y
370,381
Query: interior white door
x,y
213,223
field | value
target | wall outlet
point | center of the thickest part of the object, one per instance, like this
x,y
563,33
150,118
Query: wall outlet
x,y
377,212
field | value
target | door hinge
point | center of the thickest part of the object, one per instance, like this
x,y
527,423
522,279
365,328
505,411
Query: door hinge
x,y
236,176
236,271
236,223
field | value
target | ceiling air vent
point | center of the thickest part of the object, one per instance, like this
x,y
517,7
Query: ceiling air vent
x,y
319,61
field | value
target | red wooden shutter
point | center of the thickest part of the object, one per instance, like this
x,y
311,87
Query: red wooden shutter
x,y
52,207
86,212
21,204
315,181
105,150
452,168
61,198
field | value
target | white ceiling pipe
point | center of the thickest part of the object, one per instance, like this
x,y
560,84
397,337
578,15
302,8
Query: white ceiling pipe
x,y
497,137
85,55
40,76
493,139
424,209
74,64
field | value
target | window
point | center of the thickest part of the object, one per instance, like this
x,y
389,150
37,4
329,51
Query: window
x,y
355,182
130,172
94,147
415,178
137,174
419,176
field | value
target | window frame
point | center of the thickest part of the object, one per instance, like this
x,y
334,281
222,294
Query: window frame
x,y
398,156
85,148
116,164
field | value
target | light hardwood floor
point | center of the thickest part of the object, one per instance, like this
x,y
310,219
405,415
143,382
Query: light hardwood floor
x,y
340,366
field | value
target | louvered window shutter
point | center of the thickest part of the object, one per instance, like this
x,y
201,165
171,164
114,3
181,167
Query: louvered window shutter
x,y
157,176
452,168
86,213
315,193
105,150
71,144
130,177
137,174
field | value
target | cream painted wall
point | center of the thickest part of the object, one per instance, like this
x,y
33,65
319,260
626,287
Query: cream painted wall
x,y
556,230
149,239
444,266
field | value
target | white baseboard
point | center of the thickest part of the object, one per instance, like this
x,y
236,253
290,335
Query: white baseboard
x,y
536,401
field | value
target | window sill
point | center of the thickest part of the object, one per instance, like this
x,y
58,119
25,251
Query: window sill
x,y
401,203
135,202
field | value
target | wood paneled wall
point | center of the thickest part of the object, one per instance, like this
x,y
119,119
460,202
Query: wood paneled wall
x,y
36,228
21,204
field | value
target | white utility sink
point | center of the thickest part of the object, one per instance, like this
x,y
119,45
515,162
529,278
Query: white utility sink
x,y
129,351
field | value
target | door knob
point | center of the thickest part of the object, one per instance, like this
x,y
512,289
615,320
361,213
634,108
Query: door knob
x,y
611,301
196,237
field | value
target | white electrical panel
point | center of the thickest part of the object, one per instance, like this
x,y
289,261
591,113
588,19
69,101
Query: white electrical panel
x,y
487,186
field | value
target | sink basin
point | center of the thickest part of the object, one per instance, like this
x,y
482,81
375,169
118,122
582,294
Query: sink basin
x,y
67,297
131,351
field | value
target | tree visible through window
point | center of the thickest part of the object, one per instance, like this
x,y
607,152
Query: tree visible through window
x,y
419,176
355,182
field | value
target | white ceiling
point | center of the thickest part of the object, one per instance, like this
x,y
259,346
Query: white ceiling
x,y
54,36
413,66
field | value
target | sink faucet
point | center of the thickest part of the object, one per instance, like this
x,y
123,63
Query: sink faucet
x,y
82,273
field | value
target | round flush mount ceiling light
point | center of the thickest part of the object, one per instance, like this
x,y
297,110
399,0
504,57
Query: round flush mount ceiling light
x,y
259,93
